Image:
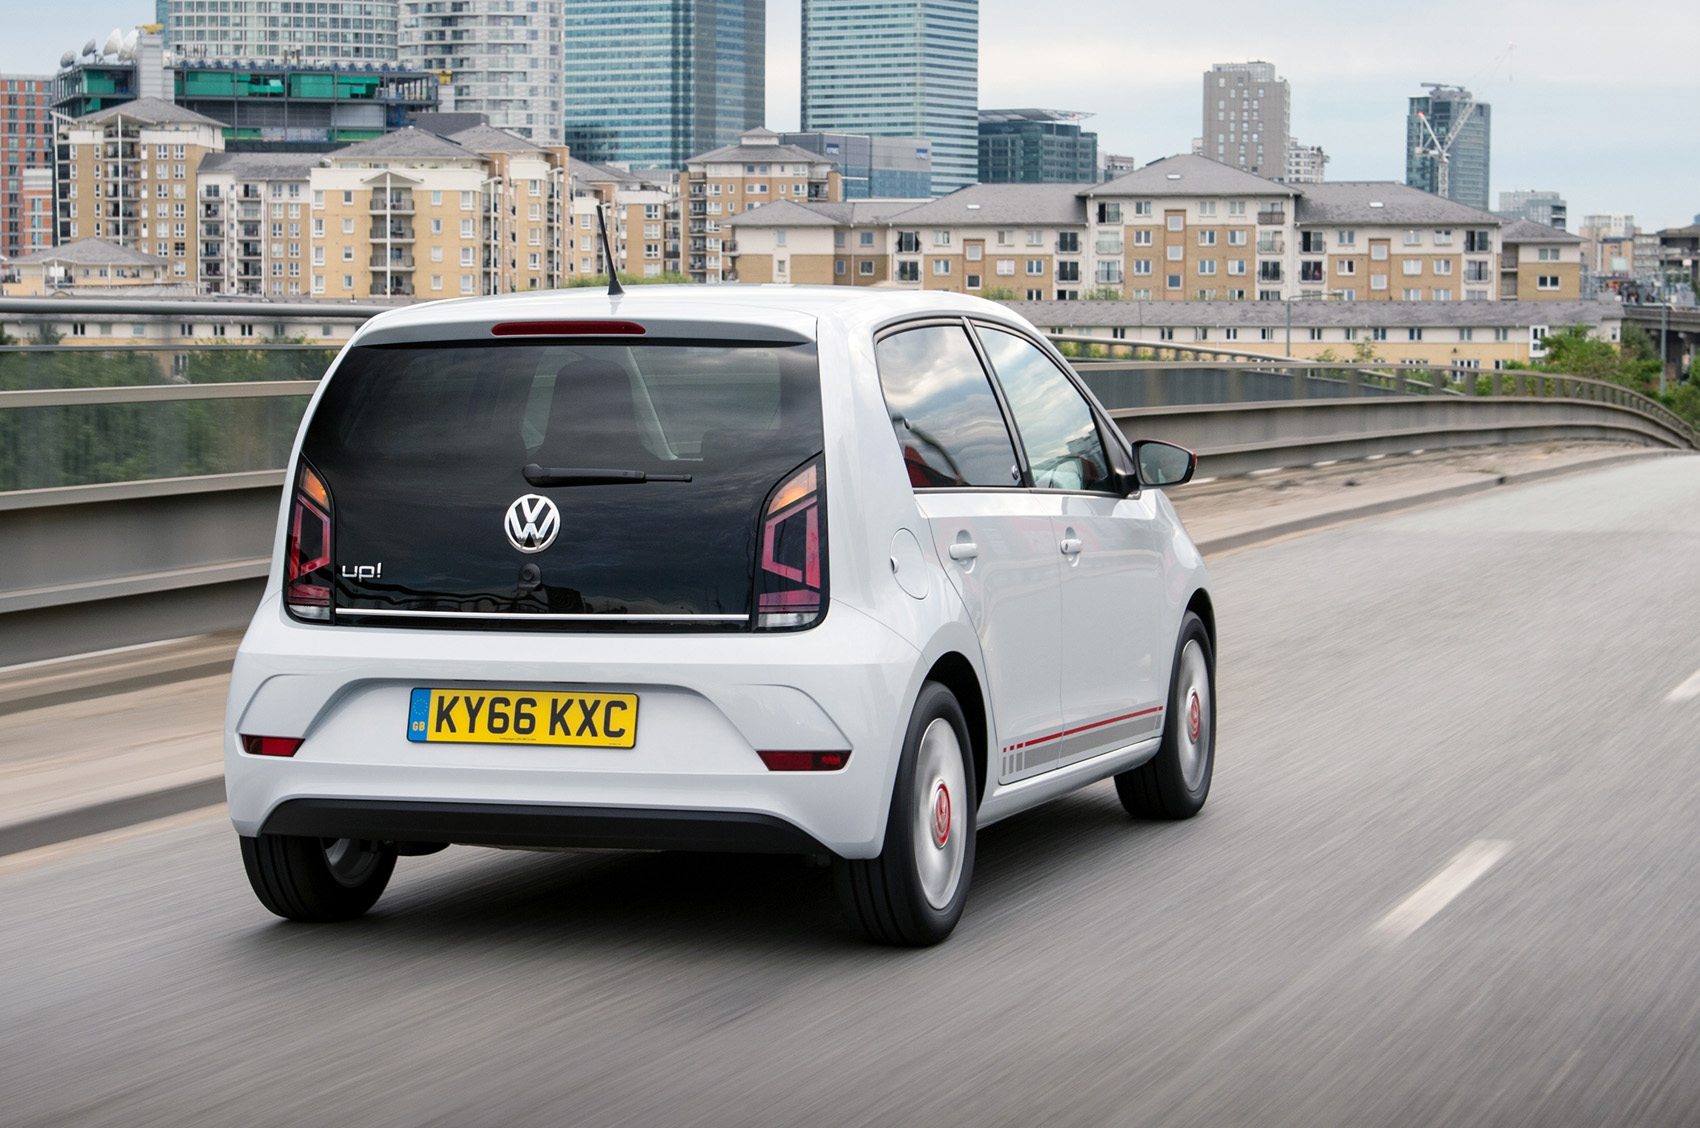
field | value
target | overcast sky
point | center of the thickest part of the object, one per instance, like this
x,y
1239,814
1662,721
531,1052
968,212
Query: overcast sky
x,y
1599,100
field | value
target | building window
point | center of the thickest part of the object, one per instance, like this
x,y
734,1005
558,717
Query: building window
x,y
1442,266
1413,238
1443,295
1413,334
1006,266
941,238
1378,282
1346,266
1207,238
1479,241
1311,271
1236,239
1174,281
1035,295
779,238
908,242
467,284
1035,238
1312,243
1068,272
1315,333
1035,266
1546,282
1142,237
973,281
1142,207
838,266
1142,266
941,266
1207,266
1175,252
1378,252
908,271
1378,334
1546,254
1410,266
1236,266
865,268
1177,222
1269,272
1109,213
867,238
1443,238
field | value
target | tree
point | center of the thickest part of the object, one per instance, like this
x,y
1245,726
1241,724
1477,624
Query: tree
x,y
998,294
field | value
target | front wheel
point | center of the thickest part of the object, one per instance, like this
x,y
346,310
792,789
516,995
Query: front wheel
x,y
913,893
1174,783
317,879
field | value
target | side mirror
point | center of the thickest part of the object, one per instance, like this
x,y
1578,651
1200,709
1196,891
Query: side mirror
x,y
1163,464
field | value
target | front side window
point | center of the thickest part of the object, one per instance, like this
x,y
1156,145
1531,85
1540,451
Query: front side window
x,y
1057,427
943,411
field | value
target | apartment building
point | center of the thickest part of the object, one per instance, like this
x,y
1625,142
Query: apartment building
x,y
1185,228
1377,241
736,179
26,143
642,211
35,210
85,266
325,30
503,59
1306,164
414,214
127,175
1539,262
1485,335
1247,117
252,215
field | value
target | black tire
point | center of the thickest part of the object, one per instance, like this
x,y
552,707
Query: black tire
x,y
317,879
907,895
1174,783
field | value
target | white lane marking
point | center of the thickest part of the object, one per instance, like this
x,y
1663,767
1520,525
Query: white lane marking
x,y
1688,690
1440,890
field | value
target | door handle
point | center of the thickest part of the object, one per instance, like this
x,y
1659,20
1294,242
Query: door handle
x,y
964,550
1071,546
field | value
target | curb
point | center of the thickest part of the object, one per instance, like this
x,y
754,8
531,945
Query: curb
x,y
80,822
1281,529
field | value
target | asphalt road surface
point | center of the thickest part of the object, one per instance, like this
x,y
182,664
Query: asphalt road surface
x,y
1449,875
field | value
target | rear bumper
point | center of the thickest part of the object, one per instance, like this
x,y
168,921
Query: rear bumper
x,y
541,824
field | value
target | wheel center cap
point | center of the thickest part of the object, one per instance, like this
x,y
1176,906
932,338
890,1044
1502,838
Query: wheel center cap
x,y
1194,716
941,816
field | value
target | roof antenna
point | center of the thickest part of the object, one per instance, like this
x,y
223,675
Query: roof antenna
x,y
614,287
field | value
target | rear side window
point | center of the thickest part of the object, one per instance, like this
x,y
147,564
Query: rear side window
x,y
1057,427
943,411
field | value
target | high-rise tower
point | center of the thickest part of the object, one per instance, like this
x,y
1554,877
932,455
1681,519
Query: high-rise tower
x,y
1247,118
333,31
898,68
502,62
1464,127
651,83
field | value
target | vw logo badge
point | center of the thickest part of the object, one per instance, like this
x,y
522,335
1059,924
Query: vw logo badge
x,y
532,523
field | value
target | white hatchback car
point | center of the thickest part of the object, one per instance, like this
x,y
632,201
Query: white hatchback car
x,y
833,572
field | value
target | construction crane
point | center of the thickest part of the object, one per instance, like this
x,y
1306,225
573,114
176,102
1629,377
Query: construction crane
x,y
1430,144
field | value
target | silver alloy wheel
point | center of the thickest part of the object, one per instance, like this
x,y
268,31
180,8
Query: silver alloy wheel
x,y
941,806
351,860
1193,684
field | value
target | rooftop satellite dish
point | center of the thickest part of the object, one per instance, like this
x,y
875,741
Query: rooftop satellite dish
x,y
88,48
113,42
127,49
69,58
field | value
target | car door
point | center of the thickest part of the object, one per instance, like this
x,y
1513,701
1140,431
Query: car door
x,y
1114,664
995,538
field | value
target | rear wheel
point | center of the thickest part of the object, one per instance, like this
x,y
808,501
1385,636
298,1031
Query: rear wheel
x,y
1174,783
913,893
317,879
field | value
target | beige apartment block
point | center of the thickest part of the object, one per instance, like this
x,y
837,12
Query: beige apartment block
x,y
642,211
1539,263
1183,229
128,175
413,214
1483,335
84,267
726,183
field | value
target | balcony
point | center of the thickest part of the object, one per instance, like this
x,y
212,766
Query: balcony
x,y
212,211
1272,217
730,246
398,288
393,205
249,250
392,232
212,230
379,261
1109,246
1271,244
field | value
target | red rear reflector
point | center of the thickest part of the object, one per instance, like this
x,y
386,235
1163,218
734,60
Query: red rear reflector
x,y
568,329
271,745
804,761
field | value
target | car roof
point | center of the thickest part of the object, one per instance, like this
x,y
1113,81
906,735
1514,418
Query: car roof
x,y
796,309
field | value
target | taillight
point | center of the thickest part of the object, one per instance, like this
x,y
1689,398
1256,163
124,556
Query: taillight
x,y
306,564
791,565
804,761
271,745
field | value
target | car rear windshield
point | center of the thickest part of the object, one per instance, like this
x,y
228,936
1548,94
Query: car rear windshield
x,y
425,450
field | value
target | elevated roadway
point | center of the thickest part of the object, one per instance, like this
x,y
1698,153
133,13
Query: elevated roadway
x,y
1447,876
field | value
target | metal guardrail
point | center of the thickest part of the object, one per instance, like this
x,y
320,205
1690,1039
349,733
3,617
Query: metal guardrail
x,y
134,511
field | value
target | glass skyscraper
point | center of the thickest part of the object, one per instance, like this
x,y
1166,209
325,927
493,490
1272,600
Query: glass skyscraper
x,y
1449,110
652,83
898,68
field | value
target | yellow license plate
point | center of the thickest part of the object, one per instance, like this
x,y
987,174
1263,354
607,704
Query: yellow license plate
x,y
523,716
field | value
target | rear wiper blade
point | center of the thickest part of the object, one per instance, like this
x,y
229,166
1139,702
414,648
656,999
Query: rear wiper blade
x,y
574,476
